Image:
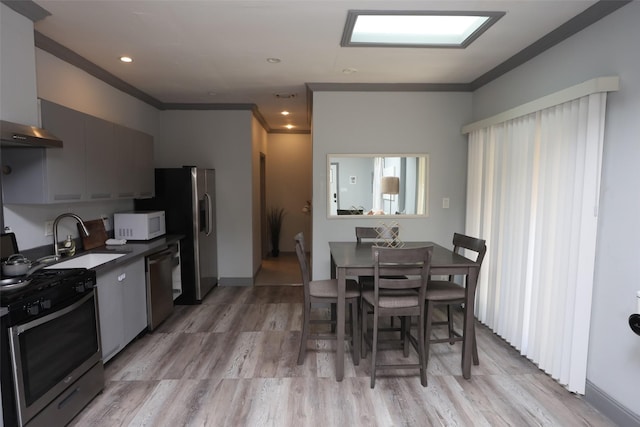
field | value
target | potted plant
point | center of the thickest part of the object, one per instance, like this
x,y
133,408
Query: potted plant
x,y
274,220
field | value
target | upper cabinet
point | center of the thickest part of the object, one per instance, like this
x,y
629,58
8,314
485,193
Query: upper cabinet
x,y
135,175
99,160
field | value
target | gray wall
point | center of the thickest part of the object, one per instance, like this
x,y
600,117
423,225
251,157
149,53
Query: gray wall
x,y
391,122
609,47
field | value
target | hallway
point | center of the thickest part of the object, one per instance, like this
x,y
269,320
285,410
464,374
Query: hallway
x,y
281,270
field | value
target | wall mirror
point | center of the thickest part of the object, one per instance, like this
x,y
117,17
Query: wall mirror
x,y
377,184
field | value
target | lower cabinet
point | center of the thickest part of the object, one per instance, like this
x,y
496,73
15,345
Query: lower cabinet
x,y
122,306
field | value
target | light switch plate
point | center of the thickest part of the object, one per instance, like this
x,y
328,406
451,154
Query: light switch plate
x,y
48,228
445,203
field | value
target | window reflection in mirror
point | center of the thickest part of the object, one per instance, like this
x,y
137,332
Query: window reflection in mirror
x,y
377,184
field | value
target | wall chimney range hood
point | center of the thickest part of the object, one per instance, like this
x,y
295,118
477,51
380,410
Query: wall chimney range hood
x,y
16,135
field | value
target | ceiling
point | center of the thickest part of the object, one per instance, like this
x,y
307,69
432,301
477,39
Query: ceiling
x,y
213,52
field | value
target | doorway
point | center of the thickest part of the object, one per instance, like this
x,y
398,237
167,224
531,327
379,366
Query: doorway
x,y
264,239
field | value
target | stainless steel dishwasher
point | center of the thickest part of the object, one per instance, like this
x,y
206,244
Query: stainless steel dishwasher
x,y
159,270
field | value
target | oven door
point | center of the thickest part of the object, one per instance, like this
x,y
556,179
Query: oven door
x,y
50,353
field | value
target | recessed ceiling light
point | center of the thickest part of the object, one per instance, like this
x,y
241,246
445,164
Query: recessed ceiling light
x,y
415,28
349,71
289,127
285,113
211,93
126,59
273,60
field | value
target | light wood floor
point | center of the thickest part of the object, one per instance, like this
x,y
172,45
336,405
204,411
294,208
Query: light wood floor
x,y
231,361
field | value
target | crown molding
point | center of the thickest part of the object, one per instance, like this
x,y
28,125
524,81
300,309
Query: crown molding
x,y
28,9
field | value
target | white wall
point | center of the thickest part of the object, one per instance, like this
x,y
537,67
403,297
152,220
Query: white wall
x,y
221,140
288,159
391,122
608,47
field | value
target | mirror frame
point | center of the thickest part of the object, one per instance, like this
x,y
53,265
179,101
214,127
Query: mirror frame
x,y
331,156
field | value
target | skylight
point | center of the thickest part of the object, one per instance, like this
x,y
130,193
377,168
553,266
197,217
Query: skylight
x,y
415,28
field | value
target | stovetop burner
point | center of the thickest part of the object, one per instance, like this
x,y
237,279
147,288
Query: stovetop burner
x,y
19,288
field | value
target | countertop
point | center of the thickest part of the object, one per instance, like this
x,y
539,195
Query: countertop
x,y
132,249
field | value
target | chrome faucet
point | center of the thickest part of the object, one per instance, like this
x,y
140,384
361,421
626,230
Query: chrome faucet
x,y
56,249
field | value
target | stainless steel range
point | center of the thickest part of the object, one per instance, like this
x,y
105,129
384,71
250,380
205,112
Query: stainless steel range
x,y
51,363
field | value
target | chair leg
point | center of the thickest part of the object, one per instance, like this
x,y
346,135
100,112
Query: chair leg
x,y
450,325
334,317
374,349
355,335
405,330
305,334
363,329
421,350
427,330
476,361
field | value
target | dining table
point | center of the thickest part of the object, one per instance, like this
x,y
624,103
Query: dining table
x,y
355,259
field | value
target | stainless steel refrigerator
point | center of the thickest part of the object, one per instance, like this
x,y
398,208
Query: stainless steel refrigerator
x,y
187,195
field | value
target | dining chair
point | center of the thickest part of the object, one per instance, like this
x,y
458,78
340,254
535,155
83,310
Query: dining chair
x,y
369,234
325,292
400,281
450,293
365,234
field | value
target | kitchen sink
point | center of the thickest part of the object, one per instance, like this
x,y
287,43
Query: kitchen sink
x,y
89,260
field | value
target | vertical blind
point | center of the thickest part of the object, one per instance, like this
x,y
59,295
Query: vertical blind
x,y
532,193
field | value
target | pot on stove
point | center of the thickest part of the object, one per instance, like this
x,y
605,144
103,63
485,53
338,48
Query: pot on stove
x,y
16,265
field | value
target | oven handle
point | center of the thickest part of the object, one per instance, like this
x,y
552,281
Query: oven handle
x,y
18,329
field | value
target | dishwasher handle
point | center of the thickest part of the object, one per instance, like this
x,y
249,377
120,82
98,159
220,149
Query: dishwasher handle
x,y
160,256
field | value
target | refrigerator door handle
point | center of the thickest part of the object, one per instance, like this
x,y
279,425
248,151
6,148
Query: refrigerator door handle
x,y
208,214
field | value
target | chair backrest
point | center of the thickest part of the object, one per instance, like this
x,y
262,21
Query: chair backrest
x,y
401,268
462,242
376,232
304,266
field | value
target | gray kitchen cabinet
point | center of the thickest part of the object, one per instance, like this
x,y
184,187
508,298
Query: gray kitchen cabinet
x,y
99,160
135,163
122,306
126,164
144,165
65,168
49,175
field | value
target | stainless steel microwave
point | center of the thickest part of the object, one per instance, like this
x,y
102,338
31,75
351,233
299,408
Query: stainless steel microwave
x,y
139,225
